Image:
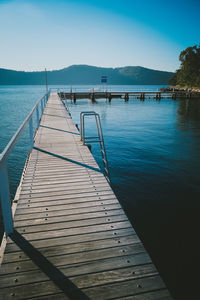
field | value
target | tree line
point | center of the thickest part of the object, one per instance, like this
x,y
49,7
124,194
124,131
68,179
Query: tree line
x,y
189,72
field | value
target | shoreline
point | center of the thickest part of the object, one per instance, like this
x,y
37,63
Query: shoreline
x,y
180,89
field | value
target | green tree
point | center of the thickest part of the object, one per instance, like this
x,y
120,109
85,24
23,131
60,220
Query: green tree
x,y
189,72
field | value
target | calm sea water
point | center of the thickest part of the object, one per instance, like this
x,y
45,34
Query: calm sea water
x,y
153,150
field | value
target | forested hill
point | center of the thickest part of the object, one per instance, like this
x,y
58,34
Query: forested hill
x,y
83,74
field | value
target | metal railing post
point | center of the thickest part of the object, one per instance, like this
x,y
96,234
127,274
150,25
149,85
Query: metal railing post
x,y
43,104
5,201
31,133
81,126
38,117
41,107
83,130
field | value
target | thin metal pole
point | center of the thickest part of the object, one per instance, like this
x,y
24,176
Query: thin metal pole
x,y
81,125
46,80
5,201
41,107
31,133
43,103
38,118
83,130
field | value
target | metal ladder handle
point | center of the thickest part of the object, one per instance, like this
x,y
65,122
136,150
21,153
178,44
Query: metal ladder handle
x,y
100,134
82,121
98,139
102,145
82,126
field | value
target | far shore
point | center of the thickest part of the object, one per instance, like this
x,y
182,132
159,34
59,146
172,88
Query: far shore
x,y
178,88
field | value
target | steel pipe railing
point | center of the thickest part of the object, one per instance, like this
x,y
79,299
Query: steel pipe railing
x,y
4,181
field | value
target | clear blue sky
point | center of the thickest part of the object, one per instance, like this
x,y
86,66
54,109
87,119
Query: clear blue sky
x,y
109,33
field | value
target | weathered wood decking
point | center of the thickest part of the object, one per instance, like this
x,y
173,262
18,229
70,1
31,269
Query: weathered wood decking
x,y
72,239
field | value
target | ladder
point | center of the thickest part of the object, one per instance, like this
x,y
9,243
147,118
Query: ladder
x,y
95,139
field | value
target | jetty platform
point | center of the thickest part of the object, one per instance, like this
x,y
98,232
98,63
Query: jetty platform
x,y
142,95
71,237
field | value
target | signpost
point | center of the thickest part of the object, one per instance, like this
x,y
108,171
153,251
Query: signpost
x,y
46,80
104,79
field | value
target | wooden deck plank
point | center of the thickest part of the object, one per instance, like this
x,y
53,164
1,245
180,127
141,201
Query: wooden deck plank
x,y
65,206
64,187
66,224
74,248
73,182
155,295
65,200
83,280
124,251
75,231
80,178
66,212
108,291
76,217
72,239
69,191
85,195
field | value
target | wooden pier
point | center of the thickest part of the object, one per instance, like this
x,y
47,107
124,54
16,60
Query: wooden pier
x,y
158,95
71,238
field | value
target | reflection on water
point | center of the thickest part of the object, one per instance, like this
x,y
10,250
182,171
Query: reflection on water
x,y
153,149
188,111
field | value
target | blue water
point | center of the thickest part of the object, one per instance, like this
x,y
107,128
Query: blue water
x,y
16,103
153,150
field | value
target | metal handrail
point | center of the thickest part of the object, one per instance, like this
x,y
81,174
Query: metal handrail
x,y
8,149
95,139
82,129
4,182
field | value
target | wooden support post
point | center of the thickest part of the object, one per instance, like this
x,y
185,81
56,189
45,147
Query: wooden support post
x,y
92,97
74,98
106,95
126,98
142,96
158,96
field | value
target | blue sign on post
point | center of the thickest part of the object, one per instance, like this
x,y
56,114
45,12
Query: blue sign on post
x,y
103,79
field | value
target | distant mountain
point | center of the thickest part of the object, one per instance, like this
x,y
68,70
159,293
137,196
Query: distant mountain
x,y
83,74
